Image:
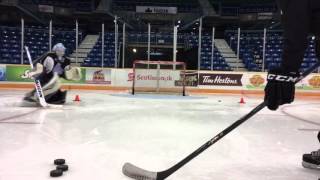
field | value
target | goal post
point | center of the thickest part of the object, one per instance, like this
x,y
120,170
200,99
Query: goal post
x,y
165,77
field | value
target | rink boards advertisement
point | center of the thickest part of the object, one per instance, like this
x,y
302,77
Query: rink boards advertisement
x,y
311,82
221,80
249,81
258,81
153,78
145,78
98,76
3,73
14,73
255,81
214,80
207,80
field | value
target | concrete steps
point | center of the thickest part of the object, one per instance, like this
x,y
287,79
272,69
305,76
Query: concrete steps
x,y
229,55
84,49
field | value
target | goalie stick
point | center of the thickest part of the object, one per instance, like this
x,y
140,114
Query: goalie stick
x,y
38,86
137,173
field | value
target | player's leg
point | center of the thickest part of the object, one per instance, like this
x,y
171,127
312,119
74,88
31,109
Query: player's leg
x,y
51,90
296,18
312,160
59,97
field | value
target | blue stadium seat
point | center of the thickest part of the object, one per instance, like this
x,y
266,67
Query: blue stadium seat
x,y
274,48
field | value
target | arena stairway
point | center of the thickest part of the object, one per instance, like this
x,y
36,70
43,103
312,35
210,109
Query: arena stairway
x,y
229,55
84,48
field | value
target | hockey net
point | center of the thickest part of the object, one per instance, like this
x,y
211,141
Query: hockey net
x,y
164,77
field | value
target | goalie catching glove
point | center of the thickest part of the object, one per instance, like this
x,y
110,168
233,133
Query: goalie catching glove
x,y
280,88
73,73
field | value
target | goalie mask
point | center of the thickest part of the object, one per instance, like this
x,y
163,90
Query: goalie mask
x,y
59,49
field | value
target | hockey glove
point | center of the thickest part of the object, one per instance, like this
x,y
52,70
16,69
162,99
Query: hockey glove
x,y
73,73
34,73
280,88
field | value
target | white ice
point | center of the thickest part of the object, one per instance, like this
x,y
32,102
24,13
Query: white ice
x,y
105,130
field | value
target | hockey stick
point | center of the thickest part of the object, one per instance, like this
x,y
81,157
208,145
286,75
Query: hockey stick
x,y
38,86
137,173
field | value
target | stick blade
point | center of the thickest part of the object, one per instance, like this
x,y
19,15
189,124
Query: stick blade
x,y
137,173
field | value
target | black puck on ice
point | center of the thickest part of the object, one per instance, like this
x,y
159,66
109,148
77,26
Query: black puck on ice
x,y
56,173
59,161
63,167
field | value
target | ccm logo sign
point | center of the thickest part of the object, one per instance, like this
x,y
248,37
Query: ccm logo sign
x,y
282,78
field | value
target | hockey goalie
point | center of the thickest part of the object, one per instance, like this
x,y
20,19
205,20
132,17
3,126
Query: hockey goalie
x,y
48,69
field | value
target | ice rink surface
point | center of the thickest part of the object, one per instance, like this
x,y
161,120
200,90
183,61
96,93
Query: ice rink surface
x,y
105,130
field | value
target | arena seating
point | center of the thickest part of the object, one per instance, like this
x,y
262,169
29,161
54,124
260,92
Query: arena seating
x,y
184,6
94,57
251,49
219,62
36,38
189,40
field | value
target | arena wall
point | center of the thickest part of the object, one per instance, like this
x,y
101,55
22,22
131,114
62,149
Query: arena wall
x,y
196,81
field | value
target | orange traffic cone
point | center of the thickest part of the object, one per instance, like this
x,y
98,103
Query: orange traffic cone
x,y
242,101
77,98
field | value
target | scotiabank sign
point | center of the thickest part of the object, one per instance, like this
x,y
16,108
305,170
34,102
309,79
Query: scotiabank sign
x,y
206,79
153,78
144,77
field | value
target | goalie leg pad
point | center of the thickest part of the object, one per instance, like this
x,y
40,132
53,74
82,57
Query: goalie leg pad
x,y
49,89
58,98
52,86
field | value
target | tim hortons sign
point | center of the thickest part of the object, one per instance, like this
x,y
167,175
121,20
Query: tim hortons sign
x,y
207,79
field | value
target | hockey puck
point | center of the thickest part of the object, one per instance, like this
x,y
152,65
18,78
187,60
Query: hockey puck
x,y
63,167
59,161
56,173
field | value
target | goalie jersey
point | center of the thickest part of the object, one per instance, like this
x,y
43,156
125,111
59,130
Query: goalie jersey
x,y
52,64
